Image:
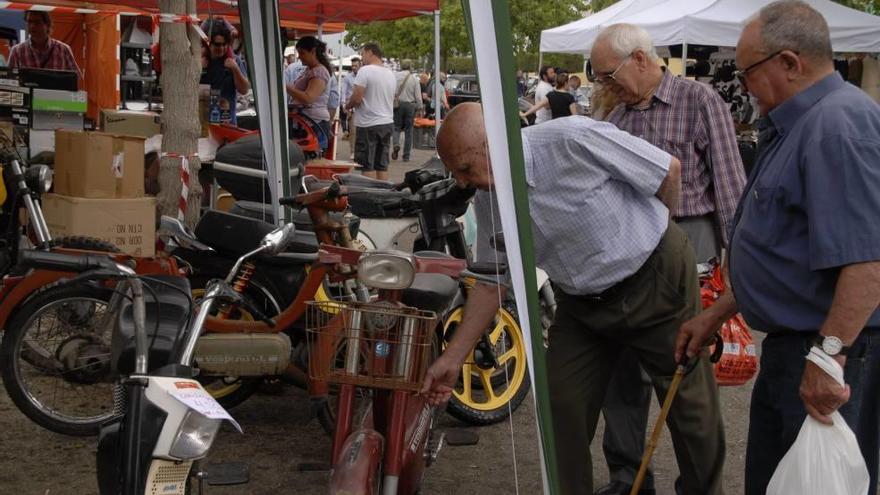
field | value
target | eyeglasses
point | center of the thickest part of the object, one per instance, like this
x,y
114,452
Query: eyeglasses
x,y
741,74
611,76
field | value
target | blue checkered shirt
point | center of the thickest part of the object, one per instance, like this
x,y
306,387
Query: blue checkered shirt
x,y
592,196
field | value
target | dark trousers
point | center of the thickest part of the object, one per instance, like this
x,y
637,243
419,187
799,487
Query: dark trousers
x,y
777,411
643,313
404,117
371,147
629,394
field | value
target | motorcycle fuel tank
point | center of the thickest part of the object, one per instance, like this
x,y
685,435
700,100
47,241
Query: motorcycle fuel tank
x,y
243,354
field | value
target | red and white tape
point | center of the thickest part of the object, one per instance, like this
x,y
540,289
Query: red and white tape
x,y
184,182
190,19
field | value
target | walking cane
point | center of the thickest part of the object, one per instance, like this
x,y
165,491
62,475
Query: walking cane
x,y
680,371
658,427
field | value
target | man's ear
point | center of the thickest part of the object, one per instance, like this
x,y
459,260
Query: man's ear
x,y
792,64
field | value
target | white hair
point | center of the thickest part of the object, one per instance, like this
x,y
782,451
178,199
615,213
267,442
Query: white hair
x,y
624,39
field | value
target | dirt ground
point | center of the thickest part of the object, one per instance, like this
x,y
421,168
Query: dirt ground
x,y
279,436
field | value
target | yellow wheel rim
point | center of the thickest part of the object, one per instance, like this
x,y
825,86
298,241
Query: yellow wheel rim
x,y
506,338
220,387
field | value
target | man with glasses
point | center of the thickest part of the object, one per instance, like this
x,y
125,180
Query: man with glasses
x,y
805,242
224,71
690,121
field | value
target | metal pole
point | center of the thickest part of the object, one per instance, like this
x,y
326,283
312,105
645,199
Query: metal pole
x,y
337,124
684,59
438,109
321,30
540,63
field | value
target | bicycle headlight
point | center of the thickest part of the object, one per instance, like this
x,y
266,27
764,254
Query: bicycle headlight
x,y
39,178
387,269
195,436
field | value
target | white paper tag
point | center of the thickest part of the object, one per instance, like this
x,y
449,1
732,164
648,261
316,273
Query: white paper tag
x,y
116,166
195,397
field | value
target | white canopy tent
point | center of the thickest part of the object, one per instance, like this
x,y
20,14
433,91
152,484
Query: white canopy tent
x,y
706,22
578,36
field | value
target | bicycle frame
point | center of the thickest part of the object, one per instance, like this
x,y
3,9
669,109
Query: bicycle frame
x,y
396,428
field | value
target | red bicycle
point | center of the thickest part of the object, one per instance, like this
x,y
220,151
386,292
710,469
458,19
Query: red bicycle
x,y
377,354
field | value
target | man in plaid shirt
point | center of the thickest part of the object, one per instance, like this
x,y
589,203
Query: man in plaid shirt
x,y
41,51
690,121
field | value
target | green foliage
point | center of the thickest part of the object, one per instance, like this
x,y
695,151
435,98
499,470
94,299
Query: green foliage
x,y
413,37
869,6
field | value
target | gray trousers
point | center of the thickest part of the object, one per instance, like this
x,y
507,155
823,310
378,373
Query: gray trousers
x,y
629,394
404,118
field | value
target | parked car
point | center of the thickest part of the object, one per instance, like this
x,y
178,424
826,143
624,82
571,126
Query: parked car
x,y
461,88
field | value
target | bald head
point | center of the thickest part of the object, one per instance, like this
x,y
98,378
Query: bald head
x,y
462,147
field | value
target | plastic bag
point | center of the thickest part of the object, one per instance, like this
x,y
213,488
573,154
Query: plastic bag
x,y
824,460
739,361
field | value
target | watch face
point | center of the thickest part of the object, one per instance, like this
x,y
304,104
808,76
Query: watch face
x,y
832,345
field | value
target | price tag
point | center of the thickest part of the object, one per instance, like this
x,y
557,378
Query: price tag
x,y
195,397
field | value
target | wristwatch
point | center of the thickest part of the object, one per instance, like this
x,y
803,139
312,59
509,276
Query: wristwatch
x,y
831,345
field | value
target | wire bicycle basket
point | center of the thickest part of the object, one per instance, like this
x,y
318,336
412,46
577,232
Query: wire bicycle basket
x,y
376,345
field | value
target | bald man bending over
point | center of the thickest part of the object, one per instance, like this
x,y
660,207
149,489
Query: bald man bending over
x,y
624,275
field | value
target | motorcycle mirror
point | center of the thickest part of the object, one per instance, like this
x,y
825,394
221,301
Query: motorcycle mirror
x,y
278,239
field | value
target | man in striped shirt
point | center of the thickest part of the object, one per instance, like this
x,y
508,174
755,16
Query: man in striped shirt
x,y
690,121
41,51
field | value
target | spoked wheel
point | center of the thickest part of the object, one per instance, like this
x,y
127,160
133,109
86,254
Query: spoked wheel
x,y
56,359
486,393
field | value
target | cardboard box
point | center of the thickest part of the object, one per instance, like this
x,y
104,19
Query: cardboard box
x,y
129,123
130,224
98,165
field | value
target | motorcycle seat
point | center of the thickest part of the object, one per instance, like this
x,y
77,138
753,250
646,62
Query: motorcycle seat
x,y
431,292
237,235
358,180
300,218
381,203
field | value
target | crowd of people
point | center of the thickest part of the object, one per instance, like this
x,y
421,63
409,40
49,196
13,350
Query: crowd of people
x,y
624,205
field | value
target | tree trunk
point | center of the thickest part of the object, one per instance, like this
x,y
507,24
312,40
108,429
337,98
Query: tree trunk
x,y
181,68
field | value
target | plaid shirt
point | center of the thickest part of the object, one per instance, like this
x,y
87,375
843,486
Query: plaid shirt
x,y
57,56
690,121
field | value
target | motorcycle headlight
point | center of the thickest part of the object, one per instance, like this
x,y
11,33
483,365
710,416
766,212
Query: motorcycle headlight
x,y
39,178
387,269
195,436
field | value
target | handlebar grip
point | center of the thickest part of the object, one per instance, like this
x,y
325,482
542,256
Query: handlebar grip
x,y
47,260
288,201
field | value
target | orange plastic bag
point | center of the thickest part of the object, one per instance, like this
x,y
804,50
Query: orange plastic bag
x,y
739,362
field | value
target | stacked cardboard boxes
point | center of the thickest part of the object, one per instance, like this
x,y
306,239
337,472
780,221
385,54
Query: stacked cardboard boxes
x,y
99,191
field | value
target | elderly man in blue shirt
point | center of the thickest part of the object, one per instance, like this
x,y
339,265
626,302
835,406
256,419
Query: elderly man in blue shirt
x,y
805,242
624,274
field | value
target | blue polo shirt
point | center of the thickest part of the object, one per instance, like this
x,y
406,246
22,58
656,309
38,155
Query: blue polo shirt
x,y
811,206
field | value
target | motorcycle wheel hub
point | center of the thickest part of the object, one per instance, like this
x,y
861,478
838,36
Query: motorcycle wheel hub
x,y
83,359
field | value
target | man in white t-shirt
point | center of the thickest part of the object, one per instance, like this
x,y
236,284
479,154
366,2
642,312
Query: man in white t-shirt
x,y
548,76
373,97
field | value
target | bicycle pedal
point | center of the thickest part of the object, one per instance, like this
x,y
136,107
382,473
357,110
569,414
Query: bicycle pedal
x,y
435,444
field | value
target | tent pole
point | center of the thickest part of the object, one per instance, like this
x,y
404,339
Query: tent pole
x,y
337,124
321,30
438,109
540,62
684,59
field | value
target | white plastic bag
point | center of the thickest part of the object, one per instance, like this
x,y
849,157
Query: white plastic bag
x,y
824,459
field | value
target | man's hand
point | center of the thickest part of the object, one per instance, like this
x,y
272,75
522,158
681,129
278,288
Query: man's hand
x,y
693,335
230,64
440,380
821,393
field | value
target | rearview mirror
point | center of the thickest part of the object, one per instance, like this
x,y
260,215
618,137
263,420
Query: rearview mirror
x,y
278,239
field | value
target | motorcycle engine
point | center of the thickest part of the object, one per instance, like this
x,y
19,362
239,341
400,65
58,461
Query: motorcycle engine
x,y
243,354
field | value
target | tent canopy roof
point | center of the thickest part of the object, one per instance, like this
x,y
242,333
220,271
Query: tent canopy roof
x,y
706,22
308,11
